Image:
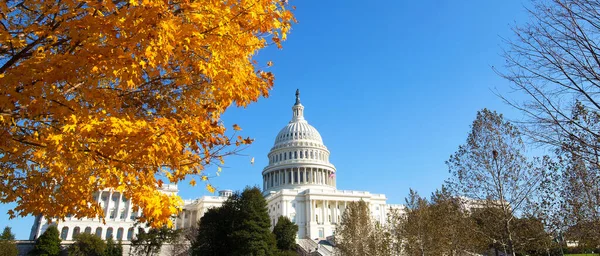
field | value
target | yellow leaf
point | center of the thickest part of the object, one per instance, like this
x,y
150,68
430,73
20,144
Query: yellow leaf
x,y
210,188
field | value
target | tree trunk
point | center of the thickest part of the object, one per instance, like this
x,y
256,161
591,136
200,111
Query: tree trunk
x,y
510,240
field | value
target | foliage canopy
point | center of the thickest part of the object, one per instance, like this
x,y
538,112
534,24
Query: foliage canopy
x,y
124,95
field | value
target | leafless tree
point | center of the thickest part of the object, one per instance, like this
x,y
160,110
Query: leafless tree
x,y
491,167
555,61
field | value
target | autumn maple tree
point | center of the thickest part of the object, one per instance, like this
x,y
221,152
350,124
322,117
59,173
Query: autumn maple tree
x,y
123,95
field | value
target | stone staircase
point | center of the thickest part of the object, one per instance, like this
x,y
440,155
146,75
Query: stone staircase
x,y
309,247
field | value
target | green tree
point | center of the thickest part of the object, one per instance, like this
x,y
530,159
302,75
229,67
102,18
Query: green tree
x,y
87,244
150,243
491,167
48,244
213,230
285,233
252,231
112,248
358,234
7,243
240,227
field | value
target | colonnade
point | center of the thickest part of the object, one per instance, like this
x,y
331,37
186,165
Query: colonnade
x,y
326,211
116,209
299,175
313,154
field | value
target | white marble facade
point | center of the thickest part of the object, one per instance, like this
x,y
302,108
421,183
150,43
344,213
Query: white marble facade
x,y
119,217
299,182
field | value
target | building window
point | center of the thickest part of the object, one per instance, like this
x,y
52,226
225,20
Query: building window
x,y
123,214
295,154
64,232
130,234
133,215
88,230
99,232
109,233
301,155
284,156
113,213
120,234
76,232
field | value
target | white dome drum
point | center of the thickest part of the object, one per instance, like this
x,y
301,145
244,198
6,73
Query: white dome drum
x,y
298,157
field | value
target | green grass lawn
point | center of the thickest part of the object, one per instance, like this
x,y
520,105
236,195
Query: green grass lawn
x,y
583,254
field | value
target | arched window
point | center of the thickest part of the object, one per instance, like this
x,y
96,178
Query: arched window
x,y
295,154
64,232
76,231
290,155
301,155
109,233
88,230
311,155
99,232
280,158
130,234
284,156
119,234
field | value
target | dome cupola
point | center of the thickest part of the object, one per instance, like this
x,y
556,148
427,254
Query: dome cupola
x,y
298,157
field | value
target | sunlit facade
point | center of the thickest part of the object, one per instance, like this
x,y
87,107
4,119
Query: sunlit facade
x,y
300,182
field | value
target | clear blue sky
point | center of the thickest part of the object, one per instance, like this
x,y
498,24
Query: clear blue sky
x,y
392,86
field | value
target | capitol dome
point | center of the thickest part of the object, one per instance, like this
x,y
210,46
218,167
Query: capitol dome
x,y
298,157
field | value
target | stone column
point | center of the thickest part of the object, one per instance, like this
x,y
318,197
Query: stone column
x,y
108,204
120,208
128,215
305,175
336,211
324,211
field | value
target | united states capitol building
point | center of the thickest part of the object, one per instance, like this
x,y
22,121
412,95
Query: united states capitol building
x,y
299,182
